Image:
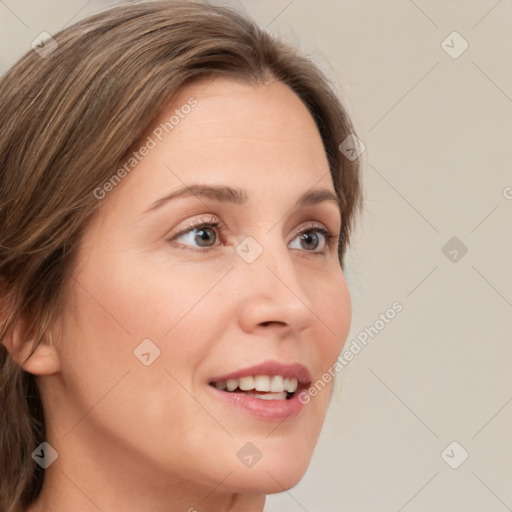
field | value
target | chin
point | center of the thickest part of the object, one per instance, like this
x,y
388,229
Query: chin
x,y
268,479
280,468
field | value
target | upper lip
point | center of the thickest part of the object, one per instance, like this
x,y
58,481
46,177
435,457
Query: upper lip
x,y
270,368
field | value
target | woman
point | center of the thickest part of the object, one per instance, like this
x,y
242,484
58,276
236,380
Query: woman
x,y
174,212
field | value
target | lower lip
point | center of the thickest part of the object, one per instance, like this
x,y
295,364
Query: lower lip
x,y
269,410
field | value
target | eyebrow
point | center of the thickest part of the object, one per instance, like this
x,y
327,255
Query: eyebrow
x,y
226,194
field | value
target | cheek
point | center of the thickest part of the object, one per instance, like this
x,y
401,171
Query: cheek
x,y
333,308
111,313
135,298
120,302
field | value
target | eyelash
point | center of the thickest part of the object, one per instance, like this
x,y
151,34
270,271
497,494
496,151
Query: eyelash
x,y
220,228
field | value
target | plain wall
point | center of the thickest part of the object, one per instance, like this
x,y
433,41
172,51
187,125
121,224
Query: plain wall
x,y
438,137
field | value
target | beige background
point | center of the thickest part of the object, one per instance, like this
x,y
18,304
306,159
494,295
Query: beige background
x,y
438,136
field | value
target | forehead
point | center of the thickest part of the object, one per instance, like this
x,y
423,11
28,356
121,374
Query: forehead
x,y
236,108
259,137
241,123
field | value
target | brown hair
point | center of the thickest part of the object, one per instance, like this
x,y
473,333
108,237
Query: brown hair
x,y
68,120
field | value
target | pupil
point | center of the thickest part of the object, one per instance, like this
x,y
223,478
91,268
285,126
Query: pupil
x,y
203,235
310,238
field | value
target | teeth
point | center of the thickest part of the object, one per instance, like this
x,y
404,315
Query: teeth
x,y
246,383
270,384
277,384
269,396
262,383
292,385
232,384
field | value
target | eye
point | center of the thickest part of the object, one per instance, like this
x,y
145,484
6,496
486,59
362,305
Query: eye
x,y
199,235
205,236
202,235
315,239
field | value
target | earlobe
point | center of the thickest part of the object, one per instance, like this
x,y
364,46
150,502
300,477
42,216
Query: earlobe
x,y
44,359
19,341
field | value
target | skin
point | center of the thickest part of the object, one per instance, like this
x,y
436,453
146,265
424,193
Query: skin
x,y
132,437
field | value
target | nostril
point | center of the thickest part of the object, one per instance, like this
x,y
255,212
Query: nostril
x,y
270,322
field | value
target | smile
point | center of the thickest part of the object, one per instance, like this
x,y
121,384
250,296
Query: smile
x,y
268,391
264,387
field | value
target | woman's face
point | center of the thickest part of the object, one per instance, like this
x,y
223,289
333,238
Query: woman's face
x,y
159,309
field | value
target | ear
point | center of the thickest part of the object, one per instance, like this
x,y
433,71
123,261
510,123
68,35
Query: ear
x,y
19,343
43,361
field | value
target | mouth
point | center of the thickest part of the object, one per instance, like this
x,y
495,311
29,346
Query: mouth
x,y
264,387
269,390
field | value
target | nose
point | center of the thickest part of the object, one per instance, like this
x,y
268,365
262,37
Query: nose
x,y
273,295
